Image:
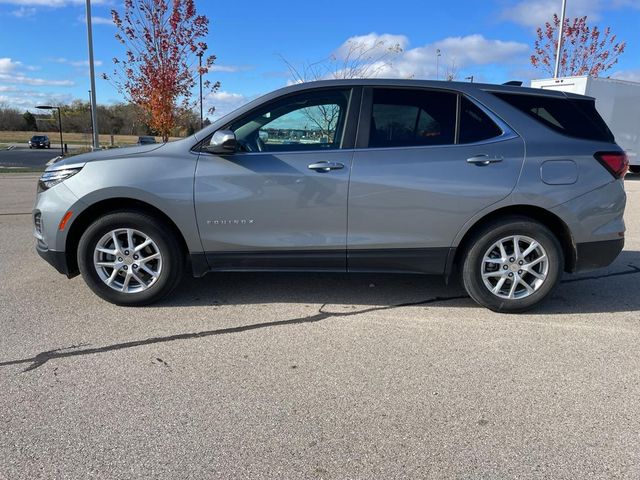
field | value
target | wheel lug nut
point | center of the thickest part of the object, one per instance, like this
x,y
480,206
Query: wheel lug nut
x,y
135,257
511,259
520,262
126,252
119,259
125,267
135,266
505,267
519,272
511,275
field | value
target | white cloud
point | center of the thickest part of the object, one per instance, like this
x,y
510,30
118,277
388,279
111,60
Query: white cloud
x,y
11,73
96,20
51,3
85,63
8,65
631,75
229,68
24,12
28,99
374,44
75,63
422,62
29,8
534,13
477,50
224,102
25,80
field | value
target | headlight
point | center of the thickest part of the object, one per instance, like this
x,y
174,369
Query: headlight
x,y
54,177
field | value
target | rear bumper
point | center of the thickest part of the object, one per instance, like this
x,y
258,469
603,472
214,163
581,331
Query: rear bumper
x,y
592,255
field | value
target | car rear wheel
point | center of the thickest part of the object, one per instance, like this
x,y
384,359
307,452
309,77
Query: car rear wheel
x,y
129,258
512,264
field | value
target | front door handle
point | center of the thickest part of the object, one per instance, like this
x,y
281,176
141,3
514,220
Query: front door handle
x,y
482,160
325,166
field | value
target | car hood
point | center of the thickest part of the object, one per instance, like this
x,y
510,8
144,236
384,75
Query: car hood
x,y
84,158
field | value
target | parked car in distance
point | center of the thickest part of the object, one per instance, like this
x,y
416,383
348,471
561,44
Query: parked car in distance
x,y
146,140
39,141
507,187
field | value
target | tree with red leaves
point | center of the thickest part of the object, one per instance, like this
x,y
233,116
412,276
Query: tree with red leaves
x,y
585,50
163,40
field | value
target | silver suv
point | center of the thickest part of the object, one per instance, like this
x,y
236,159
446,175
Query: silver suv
x,y
507,186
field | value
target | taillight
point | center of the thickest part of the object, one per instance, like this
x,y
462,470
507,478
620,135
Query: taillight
x,y
616,162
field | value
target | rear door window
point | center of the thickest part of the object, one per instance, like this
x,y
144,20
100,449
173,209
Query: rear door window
x,y
403,117
573,117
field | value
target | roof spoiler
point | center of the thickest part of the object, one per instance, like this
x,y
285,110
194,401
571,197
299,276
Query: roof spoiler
x,y
513,83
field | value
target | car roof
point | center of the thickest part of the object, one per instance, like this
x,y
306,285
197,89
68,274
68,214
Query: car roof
x,y
437,84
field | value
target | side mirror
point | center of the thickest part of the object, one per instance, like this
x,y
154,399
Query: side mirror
x,y
223,141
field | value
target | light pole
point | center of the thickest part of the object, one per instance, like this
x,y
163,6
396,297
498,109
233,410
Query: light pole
x,y
200,75
438,55
556,70
49,107
92,74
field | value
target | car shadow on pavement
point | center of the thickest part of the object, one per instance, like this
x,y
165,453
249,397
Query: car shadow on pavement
x,y
587,293
590,292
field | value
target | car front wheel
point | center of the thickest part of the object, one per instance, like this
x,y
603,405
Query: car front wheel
x,y
130,258
512,264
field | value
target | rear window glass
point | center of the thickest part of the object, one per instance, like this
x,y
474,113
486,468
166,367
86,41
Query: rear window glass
x,y
475,125
572,117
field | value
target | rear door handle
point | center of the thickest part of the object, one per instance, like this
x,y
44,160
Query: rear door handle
x,y
482,160
325,166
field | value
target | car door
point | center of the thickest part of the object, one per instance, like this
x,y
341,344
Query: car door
x,y
280,201
426,162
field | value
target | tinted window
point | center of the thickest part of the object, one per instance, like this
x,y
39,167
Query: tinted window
x,y
412,117
576,118
475,125
309,121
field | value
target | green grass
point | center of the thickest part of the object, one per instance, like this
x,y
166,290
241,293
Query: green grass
x,y
70,138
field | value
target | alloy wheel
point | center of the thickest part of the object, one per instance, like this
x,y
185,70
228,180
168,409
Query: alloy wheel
x,y
127,260
515,267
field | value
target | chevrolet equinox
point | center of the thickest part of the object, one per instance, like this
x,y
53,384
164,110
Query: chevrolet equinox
x,y
506,186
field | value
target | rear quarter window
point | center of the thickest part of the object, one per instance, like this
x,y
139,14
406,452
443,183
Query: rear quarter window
x,y
475,125
572,117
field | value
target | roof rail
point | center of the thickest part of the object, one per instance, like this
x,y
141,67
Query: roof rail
x,y
513,83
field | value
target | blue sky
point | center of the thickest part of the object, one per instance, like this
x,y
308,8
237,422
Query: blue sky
x,y
43,42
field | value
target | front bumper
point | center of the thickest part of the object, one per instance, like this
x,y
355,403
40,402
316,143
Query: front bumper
x,y
49,209
57,260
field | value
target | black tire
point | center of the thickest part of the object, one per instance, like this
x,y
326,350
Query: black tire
x,y
481,242
172,255
634,168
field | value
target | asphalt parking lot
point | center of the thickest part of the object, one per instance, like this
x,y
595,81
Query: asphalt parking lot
x,y
315,375
23,157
